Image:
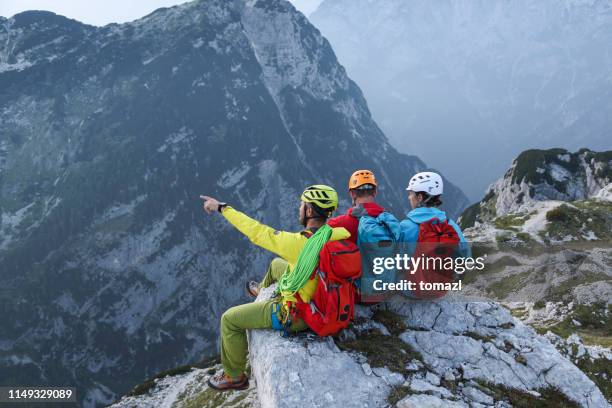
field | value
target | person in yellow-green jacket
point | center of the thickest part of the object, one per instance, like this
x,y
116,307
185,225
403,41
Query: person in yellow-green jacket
x,y
318,202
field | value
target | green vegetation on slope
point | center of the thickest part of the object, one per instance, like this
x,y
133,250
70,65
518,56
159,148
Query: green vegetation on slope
x,y
549,397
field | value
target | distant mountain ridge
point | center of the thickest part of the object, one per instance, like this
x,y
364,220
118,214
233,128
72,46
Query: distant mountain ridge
x,y
110,273
467,85
540,175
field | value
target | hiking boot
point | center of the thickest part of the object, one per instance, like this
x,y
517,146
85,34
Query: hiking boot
x,y
252,288
223,382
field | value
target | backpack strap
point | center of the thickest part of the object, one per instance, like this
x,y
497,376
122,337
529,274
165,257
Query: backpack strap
x,y
308,232
388,228
276,323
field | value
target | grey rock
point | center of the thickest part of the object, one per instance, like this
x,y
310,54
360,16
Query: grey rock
x,y
419,385
428,401
443,349
477,396
319,367
388,376
449,375
432,378
413,366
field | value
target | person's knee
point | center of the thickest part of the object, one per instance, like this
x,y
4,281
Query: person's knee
x,y
227,317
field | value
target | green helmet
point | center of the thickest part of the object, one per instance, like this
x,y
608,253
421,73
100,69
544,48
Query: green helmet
x,y
324,197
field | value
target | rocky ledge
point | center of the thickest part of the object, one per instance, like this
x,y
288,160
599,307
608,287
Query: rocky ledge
x,y
417,354
450,353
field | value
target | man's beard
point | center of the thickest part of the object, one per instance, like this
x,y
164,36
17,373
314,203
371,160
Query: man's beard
x,y
302,218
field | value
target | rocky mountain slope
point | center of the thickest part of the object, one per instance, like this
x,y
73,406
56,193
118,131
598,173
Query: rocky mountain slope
x,y
107,137
415,354
546,226
546,230
467,85
537,176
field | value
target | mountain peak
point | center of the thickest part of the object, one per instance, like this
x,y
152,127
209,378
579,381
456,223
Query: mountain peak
x,y
541,175
239,100
27,19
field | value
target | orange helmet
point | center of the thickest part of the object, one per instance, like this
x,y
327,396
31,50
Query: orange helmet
x,y
361,178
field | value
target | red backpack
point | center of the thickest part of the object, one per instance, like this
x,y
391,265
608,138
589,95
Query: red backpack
x,y
332,306
437,240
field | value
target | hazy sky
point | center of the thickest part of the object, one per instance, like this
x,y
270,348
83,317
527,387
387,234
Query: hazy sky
x,y
101,12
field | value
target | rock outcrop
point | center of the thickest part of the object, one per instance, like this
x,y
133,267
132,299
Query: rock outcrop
x,y
459,353
490,349
187,390
449,353
289,370
544,175
546,227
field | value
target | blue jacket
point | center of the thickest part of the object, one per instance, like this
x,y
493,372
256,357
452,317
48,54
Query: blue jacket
x,y
410,226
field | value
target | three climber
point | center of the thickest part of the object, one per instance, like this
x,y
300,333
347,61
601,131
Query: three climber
x,y
303,268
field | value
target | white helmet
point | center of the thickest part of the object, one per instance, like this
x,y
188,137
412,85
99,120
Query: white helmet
x,y
426,182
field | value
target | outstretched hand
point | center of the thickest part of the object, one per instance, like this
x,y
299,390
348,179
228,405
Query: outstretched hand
x,y
210,204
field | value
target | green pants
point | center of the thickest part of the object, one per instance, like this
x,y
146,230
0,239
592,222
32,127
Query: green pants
x,y
257,315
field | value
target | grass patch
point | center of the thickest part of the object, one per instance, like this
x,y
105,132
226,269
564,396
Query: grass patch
x,y
595,326
563,213
382,350
505,261
398,393
519,312
525,237
540,304
519,358
560,292
501,264
584,216
393,322
449,385
504,237
501,288
600,372
595,317
210,398
511,222
594,339
528,162
594,205
150,383
549,397
595,329
479,337
469,216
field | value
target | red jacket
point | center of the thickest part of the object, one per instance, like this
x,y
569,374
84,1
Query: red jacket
x,y
352,223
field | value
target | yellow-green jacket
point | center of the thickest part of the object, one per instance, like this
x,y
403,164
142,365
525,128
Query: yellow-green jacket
x,y
287,245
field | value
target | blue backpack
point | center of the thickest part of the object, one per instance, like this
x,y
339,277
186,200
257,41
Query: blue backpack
x,y
377,230
377,237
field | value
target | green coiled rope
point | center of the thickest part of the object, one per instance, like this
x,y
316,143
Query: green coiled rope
x,y
308,259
